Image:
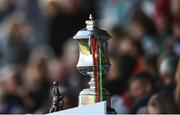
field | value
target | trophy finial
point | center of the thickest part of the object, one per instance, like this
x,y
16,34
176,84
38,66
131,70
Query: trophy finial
x,y
58,102
90,23
90,17
55,83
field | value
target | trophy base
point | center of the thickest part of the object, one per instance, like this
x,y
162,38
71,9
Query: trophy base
x,y
88,96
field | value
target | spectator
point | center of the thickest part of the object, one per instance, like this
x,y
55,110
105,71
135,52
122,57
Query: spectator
x,y
168,67
162,104
141,87
15,49
142,29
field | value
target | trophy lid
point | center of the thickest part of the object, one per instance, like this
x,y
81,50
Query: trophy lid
x,y
91,29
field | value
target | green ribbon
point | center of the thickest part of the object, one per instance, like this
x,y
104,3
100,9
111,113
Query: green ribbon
x,y
100,71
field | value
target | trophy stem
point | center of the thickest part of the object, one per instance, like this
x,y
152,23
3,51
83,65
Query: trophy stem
x,y
92,83
88,95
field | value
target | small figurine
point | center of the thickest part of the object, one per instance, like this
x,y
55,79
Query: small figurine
x,y
58,102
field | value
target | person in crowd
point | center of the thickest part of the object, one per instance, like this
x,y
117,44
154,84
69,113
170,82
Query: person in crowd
x,y
165,101
162,104
125,67
142,30
12,98
133,49
35,84
14,47
141,88
117,34
163,22
167,71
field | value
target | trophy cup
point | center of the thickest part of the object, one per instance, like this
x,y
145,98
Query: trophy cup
x,y
93,62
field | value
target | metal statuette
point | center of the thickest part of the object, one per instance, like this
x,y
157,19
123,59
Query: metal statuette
x,y
58,102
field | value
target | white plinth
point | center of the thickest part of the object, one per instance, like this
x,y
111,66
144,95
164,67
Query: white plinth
x,y
97,108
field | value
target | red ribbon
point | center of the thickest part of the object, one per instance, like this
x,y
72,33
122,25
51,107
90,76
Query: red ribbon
x,y
94,50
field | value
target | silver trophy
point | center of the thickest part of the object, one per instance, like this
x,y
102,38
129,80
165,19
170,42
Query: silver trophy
x,y
85,64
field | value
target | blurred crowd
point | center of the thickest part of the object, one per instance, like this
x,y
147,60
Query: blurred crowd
x,y
36,48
